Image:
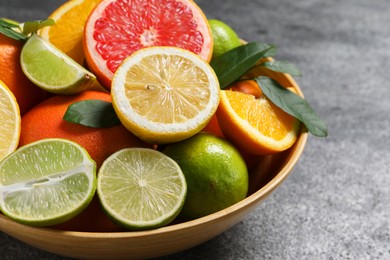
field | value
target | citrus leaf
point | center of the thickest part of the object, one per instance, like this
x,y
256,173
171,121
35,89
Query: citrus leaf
x,y
12,34
283,67
92,113
293,105
5,22
9,28
233,64
34,26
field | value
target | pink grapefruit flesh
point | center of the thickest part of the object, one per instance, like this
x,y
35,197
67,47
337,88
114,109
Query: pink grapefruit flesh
x,y
117,28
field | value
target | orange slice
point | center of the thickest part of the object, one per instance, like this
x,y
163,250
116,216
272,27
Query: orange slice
x,y
255,125
68,31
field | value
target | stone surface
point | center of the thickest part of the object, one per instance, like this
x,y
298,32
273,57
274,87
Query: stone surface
x,y
336,203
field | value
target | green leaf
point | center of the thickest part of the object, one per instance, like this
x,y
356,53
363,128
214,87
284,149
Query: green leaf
x,y
283,67
34,26
92,113
5,22
233,64
293,105
9,32
11,29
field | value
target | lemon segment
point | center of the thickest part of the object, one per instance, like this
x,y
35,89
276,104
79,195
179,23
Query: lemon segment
x,y
165,94
10,121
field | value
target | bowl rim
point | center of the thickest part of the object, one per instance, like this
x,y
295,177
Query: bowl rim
x,y
254,198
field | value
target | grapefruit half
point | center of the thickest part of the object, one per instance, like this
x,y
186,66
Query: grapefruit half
x,y
117,28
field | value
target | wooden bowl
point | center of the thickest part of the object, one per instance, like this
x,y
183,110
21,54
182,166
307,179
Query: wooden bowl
x,y
267,175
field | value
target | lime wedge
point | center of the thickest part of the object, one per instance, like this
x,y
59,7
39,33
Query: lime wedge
x,y
46,182
54,71
141,188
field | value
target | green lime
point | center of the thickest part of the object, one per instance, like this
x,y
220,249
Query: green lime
x,y
215,172
46,182
52,70
224,37
141,188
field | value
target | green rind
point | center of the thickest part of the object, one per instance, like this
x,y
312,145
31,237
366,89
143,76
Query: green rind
x,y
52,70
128,224
216,174
60,218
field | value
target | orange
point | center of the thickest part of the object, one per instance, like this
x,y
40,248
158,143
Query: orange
x,y
92,219
68,31
46,121
247,86
25,92
117,28
255,125
212,127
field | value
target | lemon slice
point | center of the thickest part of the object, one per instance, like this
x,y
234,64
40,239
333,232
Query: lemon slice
x,y
51,69
10,121
165,94
141,188
46,182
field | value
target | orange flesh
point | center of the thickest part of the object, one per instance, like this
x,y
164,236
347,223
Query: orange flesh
x,y
261,114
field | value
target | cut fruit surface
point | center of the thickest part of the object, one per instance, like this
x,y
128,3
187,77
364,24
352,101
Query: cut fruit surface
x,y
68,31
254,124
165,94
52,70
117,28
141,188
46,182
10,121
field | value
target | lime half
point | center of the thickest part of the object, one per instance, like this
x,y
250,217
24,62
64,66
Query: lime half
x,y
46,182
141,188
51,69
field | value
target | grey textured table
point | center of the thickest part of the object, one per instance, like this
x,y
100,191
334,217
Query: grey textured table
x,y
336,203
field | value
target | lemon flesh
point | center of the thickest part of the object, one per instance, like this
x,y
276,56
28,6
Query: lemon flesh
x,y
10,122
141,188
165,94
46,182
52,70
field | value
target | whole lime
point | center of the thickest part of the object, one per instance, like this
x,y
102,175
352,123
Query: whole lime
x,y
224,37
215,172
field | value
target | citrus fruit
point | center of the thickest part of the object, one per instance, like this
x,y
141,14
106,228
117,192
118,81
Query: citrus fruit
x,y
165,94
92,219
26,93
52,70
10,121
67,32
46,121
46,182
212,127
215,172
224,37
255,125
141,188
117,28
246,86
